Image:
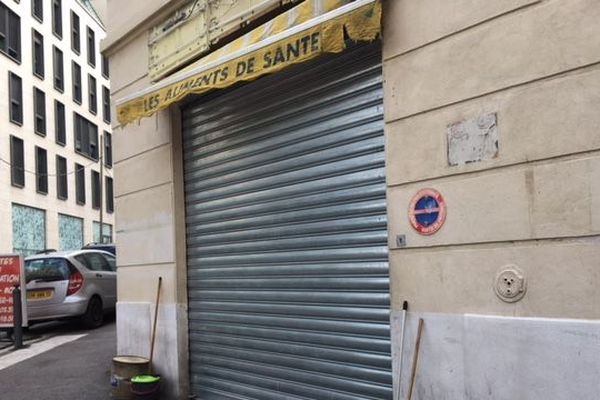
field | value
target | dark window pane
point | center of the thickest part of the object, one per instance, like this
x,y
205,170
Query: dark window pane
x,y
112,262
59,69
75,35
108,149
105,66
86,136
95,262
76,72
91,47
38,53
57,17
110,206
80,183
10,33
106,104
95,189
39,105
41,170
60,123
92,94
17,162
47,270
62,191
14,36
37,9
16,98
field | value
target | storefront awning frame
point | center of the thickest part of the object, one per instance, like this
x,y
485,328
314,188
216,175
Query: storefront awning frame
x,y
126,115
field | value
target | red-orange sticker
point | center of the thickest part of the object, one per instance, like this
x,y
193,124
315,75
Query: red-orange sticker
x,y
427,211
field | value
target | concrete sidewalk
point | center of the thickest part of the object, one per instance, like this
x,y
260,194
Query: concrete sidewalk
x,y
72,364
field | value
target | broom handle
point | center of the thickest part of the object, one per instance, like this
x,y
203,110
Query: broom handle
x,y
415,359
154,324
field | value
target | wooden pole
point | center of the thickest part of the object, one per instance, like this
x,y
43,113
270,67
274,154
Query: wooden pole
x,y
415,359
401,350
154,324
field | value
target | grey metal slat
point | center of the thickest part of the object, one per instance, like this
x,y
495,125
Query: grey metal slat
x,y
291,162
288,276
349,344
300,363
306,270
373,329
348,313
298,141
199,214
365,359
309,174
289,192
252,373
359,299
277,257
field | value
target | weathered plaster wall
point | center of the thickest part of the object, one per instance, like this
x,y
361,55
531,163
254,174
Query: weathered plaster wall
x,y
148,204
536,65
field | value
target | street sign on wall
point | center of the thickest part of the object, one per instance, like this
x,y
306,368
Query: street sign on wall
x,y
12,274
427,211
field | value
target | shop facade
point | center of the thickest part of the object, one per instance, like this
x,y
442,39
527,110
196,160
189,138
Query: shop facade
x,y
295,183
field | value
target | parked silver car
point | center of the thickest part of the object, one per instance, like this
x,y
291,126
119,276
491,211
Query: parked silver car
x,y
80,283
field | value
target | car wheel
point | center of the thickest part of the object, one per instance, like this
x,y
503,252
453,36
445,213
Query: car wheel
x,y
94,315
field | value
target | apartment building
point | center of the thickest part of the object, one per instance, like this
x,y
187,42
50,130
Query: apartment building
x,y
55,142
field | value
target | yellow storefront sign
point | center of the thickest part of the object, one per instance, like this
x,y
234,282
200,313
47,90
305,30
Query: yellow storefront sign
x,y
361,24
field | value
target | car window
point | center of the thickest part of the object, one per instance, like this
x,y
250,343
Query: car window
x,y
81,258
46,270
111,261
93,261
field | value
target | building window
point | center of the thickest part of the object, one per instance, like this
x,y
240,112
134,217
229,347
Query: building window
x,y
10,33
86,137
108,149
59,69
95,190
62,188
41,170
70,232
39,107
76,73
91,47
106,233
106,104
38,54
110,205
92,95
37,9
28,230
57,18
80,184
75,35
16,98
60,127
17,162
105,67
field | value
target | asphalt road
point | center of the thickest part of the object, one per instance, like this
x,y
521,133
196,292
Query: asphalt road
x,y
78,370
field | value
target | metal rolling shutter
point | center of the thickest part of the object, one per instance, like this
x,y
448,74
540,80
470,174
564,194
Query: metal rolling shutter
x,y
287,235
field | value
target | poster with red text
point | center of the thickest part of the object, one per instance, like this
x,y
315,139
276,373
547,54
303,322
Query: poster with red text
x,y
11,274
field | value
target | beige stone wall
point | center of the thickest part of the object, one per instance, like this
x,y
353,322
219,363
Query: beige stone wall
x,y
536,65
148,198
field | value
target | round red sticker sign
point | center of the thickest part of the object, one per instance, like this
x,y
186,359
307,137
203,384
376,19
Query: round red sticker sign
x,y
427,211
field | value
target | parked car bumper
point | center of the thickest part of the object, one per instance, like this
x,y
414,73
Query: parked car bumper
x,y
71,307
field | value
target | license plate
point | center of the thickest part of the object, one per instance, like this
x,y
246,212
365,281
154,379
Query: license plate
x,y
40,295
